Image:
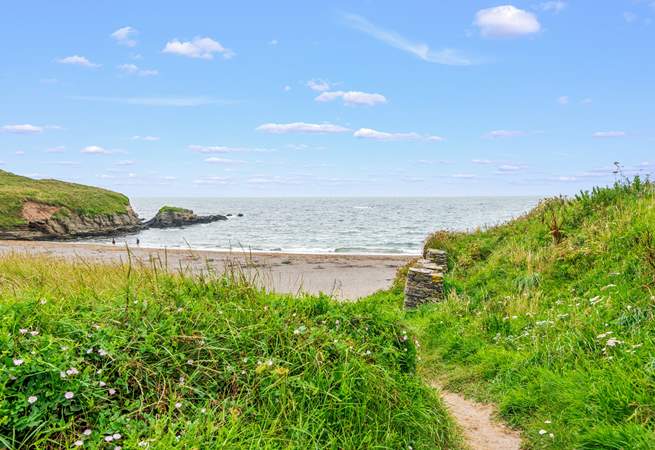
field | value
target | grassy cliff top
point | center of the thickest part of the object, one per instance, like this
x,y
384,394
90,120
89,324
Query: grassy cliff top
x,y
552,316
173,209
78,198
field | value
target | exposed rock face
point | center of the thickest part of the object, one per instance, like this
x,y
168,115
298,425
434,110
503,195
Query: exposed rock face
x,y
424,282
178,217
53,222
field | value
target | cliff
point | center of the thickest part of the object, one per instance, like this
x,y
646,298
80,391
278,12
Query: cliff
x,y
52,209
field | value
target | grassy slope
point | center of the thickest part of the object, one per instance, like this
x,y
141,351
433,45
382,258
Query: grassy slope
x,y
560,335
172,209
83,200
206,363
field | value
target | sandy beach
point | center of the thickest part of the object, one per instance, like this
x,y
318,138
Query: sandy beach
x,y
340,275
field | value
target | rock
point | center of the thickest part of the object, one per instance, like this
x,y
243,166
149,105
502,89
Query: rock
x,y
168,217
46,222
424,282
439,257
240,215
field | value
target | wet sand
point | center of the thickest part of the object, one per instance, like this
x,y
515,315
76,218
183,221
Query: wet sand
x,y
340,275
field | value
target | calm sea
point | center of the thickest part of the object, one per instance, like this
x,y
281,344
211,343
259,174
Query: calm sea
x,y
323,225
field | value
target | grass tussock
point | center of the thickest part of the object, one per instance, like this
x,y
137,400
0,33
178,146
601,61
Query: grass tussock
x,y
105,356
552,316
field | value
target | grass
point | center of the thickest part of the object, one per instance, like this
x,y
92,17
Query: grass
x,y
76,198
172,209
552,317
169,361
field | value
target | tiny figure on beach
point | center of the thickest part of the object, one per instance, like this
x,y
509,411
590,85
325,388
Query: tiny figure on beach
x,y
113,241
138,241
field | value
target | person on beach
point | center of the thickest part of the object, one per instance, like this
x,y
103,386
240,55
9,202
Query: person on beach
x,y
113,241
138,241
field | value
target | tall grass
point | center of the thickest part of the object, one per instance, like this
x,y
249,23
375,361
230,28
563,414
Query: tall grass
x,y
105,356
552,316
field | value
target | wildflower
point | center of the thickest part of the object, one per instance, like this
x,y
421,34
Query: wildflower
x,y
43,301
112,391
180,310
18,362
23,331
78,443
245,360
203,410
117,436
102,352
368,352
102,384
189,362
269,362
68,395
62,374
178,405
87,432
603,335
143,444
34,333
547,421
182,381
542,432
551,435
109,438
118,447
72,371
89,351
96,326
32,399
64,348
611,342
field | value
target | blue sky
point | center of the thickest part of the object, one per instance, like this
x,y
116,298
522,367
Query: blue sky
x,y
433,98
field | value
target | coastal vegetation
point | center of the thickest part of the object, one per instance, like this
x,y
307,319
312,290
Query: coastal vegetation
x,y
70,198
133,357
552,317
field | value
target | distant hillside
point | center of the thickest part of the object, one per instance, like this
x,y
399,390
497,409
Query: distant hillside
x,y
36,209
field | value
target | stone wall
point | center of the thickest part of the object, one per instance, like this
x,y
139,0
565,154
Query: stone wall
x,y
424,282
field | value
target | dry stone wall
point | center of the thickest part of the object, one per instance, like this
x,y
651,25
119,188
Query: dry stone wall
x,y
424,282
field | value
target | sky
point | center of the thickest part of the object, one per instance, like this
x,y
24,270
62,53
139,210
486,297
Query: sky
x,y
358,98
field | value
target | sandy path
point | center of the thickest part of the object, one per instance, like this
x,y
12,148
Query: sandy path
x,y
341,275
480,430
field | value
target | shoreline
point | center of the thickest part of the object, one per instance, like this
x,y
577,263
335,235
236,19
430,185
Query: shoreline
x,y
341,275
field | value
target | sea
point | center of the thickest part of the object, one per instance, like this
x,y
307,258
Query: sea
x,y
395,226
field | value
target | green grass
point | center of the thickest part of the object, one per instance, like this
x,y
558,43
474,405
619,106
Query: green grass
x,y
202,362
79,199
172,209
552,317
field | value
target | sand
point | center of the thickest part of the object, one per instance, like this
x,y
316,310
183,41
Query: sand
x,y
340,275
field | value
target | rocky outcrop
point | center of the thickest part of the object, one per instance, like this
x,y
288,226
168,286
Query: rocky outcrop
x,y
168,217
53,222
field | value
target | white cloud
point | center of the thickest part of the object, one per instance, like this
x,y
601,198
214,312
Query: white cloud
x,y
318,85
368,133
216,160
125,162
57,149
133,69
464,175
563,100
287,88
212,180
495,134
77,60
199,47
446,56
95,150
19,152
609,134
22,129
554,6
301,127
586,101
226,149
509,168
273,42
155,101
124,36
482,161
66,163
506,21
352,97
145,138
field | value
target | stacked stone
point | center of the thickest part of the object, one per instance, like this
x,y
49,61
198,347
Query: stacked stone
x,y
425,280
439,257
